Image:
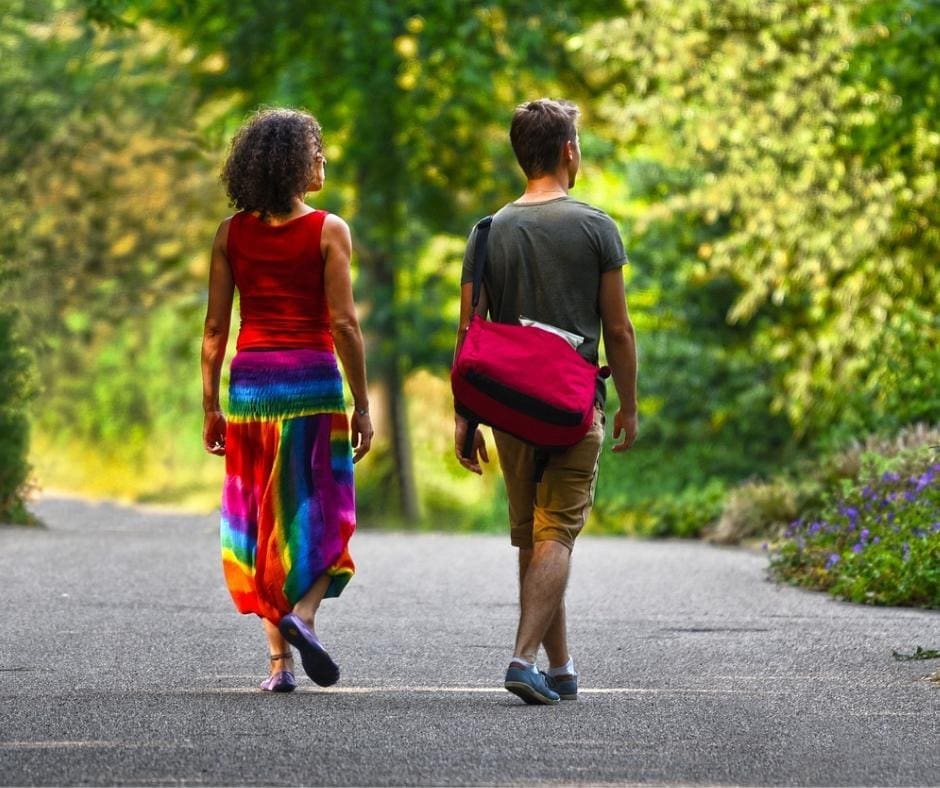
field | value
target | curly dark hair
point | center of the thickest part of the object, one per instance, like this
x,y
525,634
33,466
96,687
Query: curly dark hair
x,y
273,158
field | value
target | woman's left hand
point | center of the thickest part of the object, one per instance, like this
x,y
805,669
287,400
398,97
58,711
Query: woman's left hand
x,y
361,434
213,432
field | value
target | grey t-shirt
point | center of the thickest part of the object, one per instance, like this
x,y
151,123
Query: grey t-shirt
x,y
545,262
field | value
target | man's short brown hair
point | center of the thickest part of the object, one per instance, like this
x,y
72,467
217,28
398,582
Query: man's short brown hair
x,y
538,133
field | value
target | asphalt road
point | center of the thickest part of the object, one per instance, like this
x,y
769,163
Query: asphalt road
x,y
122,662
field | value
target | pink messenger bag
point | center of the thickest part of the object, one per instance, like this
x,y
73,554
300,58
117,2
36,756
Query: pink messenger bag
x,y
522,380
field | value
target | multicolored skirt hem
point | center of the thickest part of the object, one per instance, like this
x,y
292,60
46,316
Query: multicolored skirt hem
x,y
288,503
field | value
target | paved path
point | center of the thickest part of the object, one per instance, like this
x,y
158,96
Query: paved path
x,y
122,662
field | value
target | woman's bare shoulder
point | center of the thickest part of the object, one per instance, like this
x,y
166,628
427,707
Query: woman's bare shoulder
x,y
335,231
221,233
334,223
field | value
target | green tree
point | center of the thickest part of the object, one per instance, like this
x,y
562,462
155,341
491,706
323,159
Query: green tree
x,y
810,129
107,192
415,99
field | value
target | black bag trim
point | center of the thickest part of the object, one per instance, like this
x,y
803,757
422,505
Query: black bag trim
x,y
528,405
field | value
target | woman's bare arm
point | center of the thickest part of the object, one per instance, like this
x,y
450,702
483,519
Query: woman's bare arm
x,y
336,246
215,338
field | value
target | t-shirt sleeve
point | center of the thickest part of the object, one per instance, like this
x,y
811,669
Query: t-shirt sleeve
x,y
609,244
466,274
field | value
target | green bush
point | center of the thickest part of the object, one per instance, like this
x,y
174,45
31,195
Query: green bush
x,y
14,427
685,514
688,514
874,539
756,509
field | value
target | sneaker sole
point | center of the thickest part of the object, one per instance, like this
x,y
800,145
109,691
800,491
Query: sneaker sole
x,y
528,694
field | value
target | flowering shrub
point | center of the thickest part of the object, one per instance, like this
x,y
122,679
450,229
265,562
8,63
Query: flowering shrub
x,y
876,539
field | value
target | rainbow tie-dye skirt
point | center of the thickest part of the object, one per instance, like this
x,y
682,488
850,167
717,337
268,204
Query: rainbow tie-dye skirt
x,y
288,504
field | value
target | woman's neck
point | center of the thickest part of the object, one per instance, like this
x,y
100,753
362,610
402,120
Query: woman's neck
x,y
298,208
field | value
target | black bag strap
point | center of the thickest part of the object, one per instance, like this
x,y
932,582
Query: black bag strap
x,y
479,265
479,257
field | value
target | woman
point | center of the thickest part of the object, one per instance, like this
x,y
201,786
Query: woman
x,y
288,507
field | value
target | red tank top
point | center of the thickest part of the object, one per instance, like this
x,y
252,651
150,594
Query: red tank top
x,y
278,270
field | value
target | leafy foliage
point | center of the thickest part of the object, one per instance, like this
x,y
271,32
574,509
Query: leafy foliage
x,y
814,142
108,195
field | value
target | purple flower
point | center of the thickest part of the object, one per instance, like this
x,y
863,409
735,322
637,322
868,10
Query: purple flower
x,y
832,560
924,480
936,527
814,527
890,477
876,540
906,548
857,548
863,535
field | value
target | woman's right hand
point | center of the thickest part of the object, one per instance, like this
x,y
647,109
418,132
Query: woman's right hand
x,y
361,432
213,432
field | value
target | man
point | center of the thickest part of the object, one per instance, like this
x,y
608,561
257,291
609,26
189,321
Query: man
x,y
558,261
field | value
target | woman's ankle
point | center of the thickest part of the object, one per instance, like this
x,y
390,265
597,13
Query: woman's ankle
x,y
281,662
307,615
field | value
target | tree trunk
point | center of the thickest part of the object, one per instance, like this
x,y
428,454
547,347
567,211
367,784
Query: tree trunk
x,y
400,438
385,371
380,220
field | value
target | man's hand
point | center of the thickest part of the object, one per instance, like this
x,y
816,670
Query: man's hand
x,y
477,453
625,423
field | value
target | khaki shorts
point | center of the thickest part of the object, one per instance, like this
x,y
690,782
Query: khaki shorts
x,y
556,509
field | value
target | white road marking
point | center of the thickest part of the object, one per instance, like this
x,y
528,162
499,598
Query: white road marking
x,y
78,745
469,690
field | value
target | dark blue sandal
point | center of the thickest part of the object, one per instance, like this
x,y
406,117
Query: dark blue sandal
x,y
283,680
317,663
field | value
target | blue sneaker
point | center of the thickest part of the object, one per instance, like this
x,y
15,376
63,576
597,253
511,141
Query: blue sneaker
x,y
530,685
566,686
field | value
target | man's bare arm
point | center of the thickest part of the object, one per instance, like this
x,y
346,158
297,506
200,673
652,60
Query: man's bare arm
x,y
620,345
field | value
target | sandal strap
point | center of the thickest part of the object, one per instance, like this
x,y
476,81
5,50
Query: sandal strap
x,y
285,655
